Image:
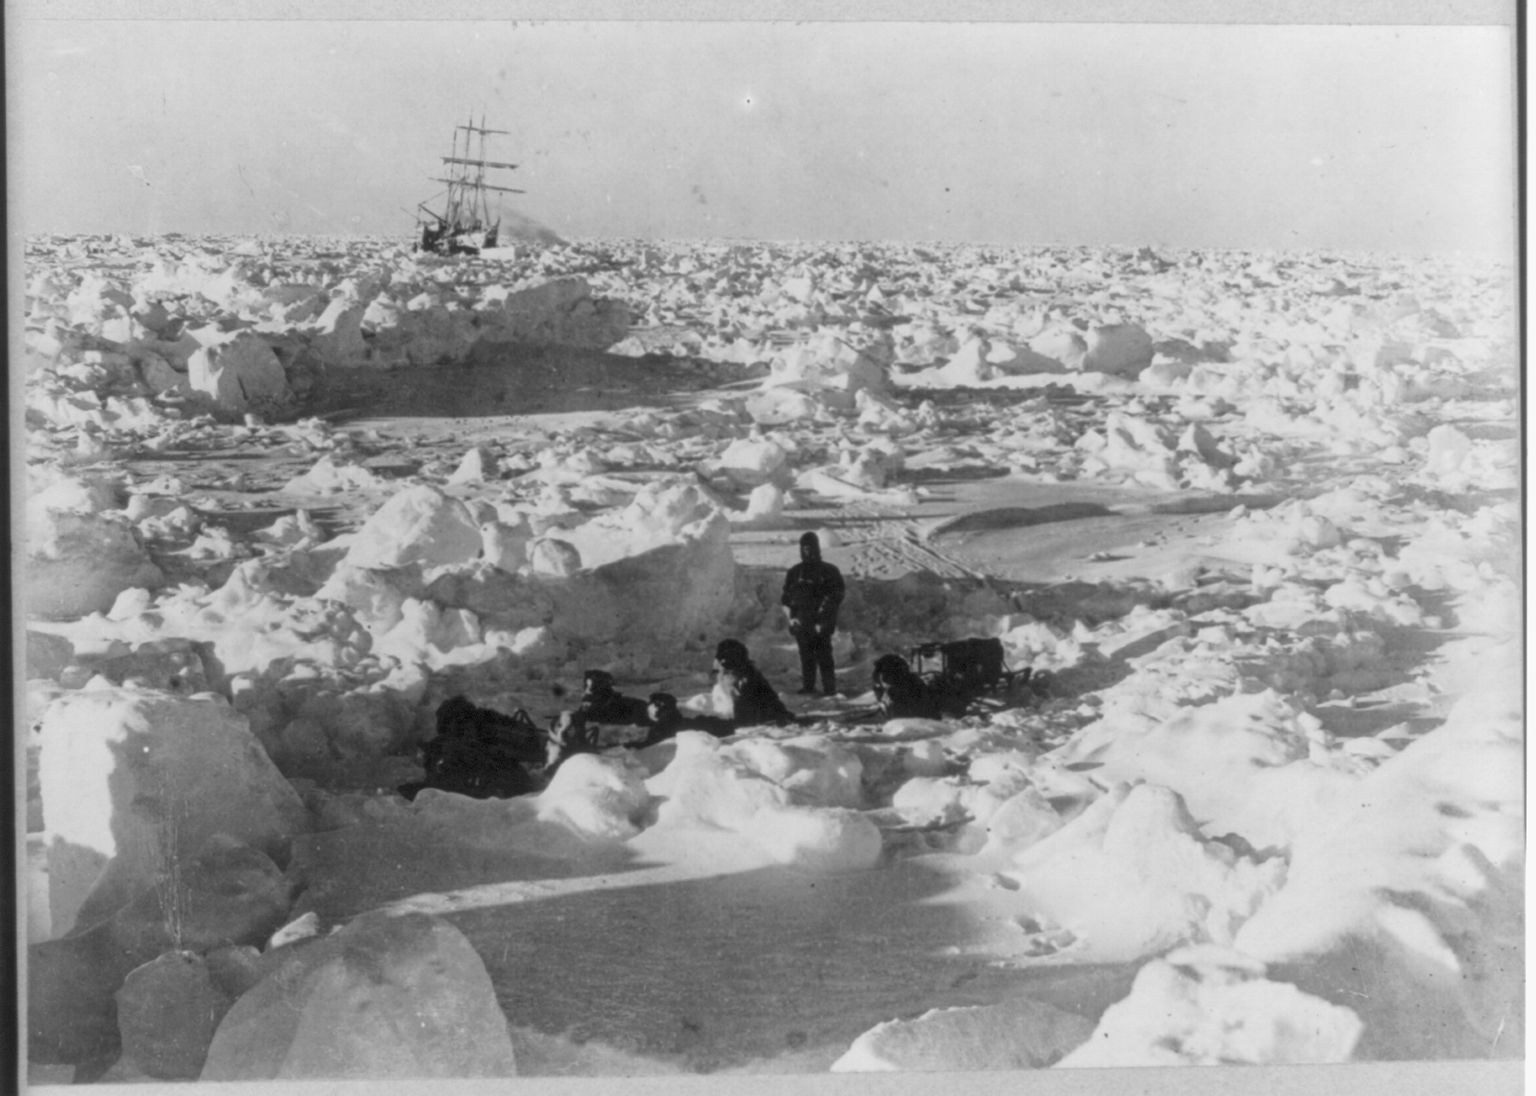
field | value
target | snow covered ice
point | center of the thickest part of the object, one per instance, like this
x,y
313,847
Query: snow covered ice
x,y
1254,515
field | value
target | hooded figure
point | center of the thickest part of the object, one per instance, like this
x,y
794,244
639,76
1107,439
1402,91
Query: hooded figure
x,y
813,592
742,693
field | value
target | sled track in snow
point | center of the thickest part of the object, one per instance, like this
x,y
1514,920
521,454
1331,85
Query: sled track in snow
x,y
890,546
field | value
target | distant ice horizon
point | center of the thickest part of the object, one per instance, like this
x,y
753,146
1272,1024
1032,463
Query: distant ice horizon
x,y
1380,139
408,238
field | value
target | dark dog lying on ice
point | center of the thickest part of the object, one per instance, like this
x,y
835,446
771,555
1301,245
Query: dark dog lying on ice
x,y
480,752
570,734
601,703
578,731
902,694
970,670
667,719
574,732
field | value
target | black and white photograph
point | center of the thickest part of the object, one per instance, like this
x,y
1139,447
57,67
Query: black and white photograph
x,y
980,546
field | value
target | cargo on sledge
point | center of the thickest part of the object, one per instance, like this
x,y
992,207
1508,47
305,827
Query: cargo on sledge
x,y
952,679
971,670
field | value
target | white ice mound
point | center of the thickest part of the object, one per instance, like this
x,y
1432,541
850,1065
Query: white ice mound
x,y
420,525
202,273
765,503
1135,445
878,413
561,312
47,655
828,362
1243,764
477,465
753,461
167,1012
821,839
78,563
812,770
776,406
792,800
128,778
327,476
669,548
723,783
424,330
1064,344
272,626
1021,1034
1008,811
384,998
505,544
1132,876
597,796
226,894
1407,901
707,783
659,514
1020,820
1208,1006
336,335
74,494
241,373
553,556
1018,361
322,730
425,627
1480,553
1123,349
967,366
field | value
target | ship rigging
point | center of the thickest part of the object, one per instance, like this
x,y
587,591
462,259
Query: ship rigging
x,y
464,225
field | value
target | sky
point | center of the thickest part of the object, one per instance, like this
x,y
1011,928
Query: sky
x,y
1370,138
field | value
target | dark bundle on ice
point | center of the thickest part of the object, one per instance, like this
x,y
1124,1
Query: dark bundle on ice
x,y
602,703
968,671
966,665
480,752
570,734
752,699
667,719
516,736
577,731
901,693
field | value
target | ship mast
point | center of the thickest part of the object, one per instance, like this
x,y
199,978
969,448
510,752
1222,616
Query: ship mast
x,y
472,170
467,206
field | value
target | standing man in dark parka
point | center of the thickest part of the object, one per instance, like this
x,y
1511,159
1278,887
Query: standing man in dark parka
x,y
813,591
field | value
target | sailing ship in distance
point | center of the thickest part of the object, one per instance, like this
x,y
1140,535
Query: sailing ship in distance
x,y
464,225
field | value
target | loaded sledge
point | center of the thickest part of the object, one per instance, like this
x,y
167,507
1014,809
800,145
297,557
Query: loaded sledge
x,y
952,678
